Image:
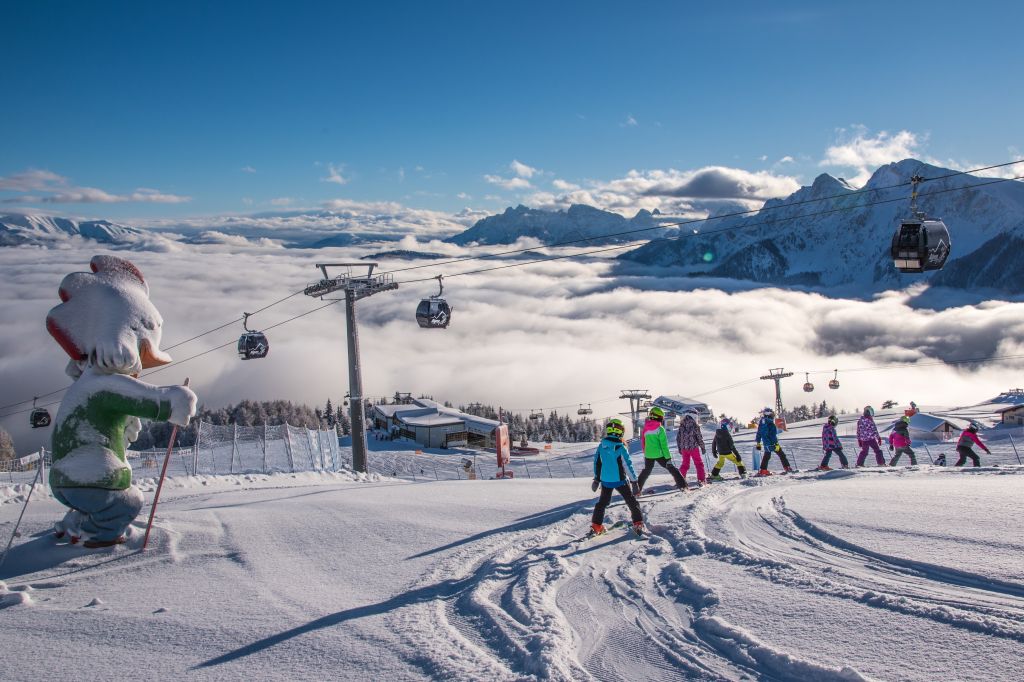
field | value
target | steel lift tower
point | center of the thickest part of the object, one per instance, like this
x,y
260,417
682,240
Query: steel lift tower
x,y
356,286
635,396
777,375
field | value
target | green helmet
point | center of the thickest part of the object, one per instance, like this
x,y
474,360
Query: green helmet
x,y
832,420
656,413
615,428
905,419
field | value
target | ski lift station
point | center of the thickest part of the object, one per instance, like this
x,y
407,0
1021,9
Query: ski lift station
x,y
433,425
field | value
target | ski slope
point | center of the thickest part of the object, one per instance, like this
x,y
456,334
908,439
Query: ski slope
x,y
890,574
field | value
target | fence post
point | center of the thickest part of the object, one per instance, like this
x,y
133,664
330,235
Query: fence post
x,y
288,446
234,446
568,460
525,464
1014,448
548,461
264,446
195,452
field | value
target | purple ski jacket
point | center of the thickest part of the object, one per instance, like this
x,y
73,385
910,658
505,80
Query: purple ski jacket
x,y
867,431
829,439
689,436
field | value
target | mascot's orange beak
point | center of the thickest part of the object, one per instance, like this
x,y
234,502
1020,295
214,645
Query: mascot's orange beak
x,y
152,357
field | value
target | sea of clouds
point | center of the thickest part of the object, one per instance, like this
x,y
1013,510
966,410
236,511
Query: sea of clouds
x,y
554,334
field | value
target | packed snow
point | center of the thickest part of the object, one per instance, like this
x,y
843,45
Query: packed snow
x,y
879,573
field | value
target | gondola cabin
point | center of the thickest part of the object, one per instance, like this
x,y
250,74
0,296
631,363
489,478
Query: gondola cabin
x,y
39,418
433,313
253,345
833,384
808,386
920,245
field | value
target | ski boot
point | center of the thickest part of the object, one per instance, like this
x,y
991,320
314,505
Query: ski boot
x,y
742,472
716,478
638,529
824,467
789,470
94,544
764,472
597,529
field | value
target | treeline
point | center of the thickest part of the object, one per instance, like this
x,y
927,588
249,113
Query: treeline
x,y
247,413
550,427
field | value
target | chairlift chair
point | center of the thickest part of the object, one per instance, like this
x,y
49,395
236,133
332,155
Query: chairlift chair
x,y
808,386
921,243
40,417
834,382
537,415
584,410
252,345
434,312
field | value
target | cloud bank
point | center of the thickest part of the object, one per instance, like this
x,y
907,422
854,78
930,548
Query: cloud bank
x,y
560,333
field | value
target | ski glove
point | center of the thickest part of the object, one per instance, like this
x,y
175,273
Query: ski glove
x,y
593,485
778,448
635,487
757,445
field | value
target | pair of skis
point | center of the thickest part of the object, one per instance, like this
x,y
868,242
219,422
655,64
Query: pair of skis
x,y
590,534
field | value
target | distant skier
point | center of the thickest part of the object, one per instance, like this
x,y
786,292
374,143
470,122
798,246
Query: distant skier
x,y
963,446
899,440
654,442
690,442
613,470
830,443
724,448
867,436
768,434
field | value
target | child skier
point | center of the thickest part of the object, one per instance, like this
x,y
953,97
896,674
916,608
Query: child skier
x,y
867,436
900,440
613,470
768,434
725,449
963,446
830,443
654,442
690,442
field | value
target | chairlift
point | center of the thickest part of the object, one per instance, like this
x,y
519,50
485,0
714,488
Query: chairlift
x,y
537,414
252,345
434,312
584,410
834,382
921,243
808,386
40,417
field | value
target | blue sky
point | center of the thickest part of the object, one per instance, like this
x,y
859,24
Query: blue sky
x,y
152,110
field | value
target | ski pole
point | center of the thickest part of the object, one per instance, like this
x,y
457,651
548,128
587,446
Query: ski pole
x,y
23,508
160,484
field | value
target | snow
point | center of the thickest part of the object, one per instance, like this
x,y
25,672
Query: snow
x,y
883,573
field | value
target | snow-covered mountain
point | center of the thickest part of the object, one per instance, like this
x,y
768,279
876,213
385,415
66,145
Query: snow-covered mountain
x,y
831,235
552,227
17,229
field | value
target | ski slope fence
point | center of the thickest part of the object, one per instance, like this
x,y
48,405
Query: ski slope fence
x,y
225,450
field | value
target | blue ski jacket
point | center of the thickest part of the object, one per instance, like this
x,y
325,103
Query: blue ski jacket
x,y
612,465
767,433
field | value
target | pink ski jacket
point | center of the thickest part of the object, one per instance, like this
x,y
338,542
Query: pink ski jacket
x,y
967,436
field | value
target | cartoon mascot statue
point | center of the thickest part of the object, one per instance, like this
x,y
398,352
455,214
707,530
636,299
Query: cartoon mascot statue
x,y
111,330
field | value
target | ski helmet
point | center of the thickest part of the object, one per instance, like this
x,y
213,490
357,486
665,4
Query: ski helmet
x,y
614,428
973,428
832,420
692,414
724,424
656,413
905,419
869,411
768,412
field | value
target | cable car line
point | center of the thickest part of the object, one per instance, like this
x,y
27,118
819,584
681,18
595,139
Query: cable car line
x,y
619,247
592,252
694,221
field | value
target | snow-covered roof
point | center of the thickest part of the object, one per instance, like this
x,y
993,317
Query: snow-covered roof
x,y
923,421
391,410
678,403
1009,409
429,418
